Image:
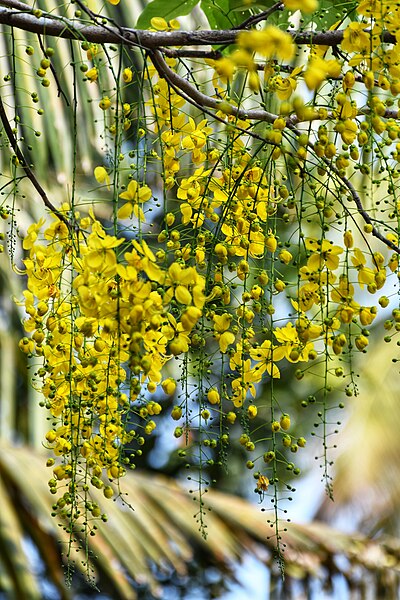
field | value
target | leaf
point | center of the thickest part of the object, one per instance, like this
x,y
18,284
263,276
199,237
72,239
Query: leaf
x,y
328,13
168,9
244,5
217,13
11,550
161,533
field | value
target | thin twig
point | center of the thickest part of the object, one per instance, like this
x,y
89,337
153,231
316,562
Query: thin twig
x,y
263,16
153,41
361,210
60,91
178,53
28,171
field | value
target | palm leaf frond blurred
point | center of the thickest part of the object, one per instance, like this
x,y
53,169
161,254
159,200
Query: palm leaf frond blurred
x,y
162,534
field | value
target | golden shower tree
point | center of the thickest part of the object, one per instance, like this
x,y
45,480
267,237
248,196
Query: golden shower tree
x,y
238,227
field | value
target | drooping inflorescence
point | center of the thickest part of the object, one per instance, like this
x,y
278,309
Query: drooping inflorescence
x,y
248,235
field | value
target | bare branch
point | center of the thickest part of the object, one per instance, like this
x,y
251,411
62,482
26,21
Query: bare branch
x,y
202,99
57,26
17,5
361,210
20,15
254,19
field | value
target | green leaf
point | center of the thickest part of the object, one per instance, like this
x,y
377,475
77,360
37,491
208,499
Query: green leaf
x,y
242,5
168,9
329,12
217,13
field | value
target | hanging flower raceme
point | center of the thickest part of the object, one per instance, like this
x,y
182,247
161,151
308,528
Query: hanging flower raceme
x,y
104,332
248,273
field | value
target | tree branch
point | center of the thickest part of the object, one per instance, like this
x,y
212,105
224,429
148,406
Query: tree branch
x,y
17,5
17,14
254,19
202,99
360,209
57,26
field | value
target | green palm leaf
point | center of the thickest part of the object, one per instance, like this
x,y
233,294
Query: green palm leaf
x,y
162,533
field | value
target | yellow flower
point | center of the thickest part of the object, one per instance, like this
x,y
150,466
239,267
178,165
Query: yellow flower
x,y
348,239
102,176
127,75
306,330
265,355
245,382
283,86
135,195
32,234
319,69
355,38
213,396
196,134
224,68
180,279
101,255
367,315
344,291
180,342
221,325
306,6
285,256
159,23
269,42
348,130
190,317
325,254
105,103
92,74
292,348
365,274
222,322
262,483
308,295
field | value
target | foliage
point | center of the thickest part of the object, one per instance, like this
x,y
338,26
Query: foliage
x,y
250,226
140,562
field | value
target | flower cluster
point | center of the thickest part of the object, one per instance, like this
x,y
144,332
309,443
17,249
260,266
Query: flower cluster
x,y
105,322
258,265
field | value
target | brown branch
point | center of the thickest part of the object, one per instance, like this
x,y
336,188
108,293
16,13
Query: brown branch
x,y
254,19
191,94
26,167
202,99
361,210
17,5
177,53
57,26
29,20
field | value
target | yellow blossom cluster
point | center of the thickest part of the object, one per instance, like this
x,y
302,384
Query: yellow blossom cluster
x,y
101,320
258,262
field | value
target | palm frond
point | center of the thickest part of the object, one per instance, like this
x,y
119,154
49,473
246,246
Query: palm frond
x,y
161,533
